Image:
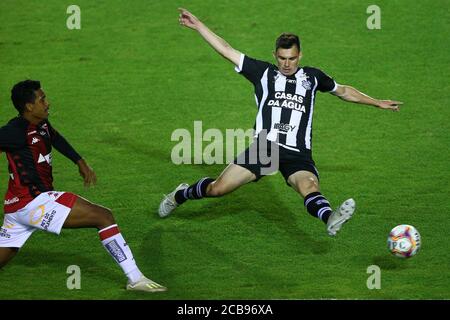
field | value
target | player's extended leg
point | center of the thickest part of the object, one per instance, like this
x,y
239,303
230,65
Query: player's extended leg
x,y
85,214
6,254
307,184
231,178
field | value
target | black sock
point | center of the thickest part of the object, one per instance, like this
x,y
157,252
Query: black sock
x,y
193,192
318,206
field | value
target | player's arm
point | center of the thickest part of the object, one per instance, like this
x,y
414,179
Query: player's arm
x,y
350,94
188,20
87,173
64,147
11,138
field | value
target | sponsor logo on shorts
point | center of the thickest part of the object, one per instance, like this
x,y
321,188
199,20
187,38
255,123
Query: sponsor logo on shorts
x,y
115,250
48,217
37,215
4,233
35,140
11,201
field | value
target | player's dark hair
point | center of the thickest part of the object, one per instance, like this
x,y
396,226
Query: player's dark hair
x,y
23,92
287,41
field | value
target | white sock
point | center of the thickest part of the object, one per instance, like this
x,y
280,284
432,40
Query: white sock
x,y
115,244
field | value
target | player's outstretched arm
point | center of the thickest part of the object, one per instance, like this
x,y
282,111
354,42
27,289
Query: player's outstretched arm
x,y
350,94
188,20
63,146
87,173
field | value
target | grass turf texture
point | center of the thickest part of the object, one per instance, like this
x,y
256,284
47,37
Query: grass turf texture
x,y
121,85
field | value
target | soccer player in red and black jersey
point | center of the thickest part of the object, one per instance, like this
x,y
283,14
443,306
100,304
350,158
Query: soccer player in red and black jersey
x,y
285,97
31,203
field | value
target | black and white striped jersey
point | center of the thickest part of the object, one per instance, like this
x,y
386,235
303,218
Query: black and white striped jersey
x,y
285,103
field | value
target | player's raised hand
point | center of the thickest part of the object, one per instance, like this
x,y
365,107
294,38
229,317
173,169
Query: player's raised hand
x,y
187,19
87,173
389,104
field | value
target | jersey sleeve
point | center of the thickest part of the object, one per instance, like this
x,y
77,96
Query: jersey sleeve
x,y
11,138
324,82
61,144
251,69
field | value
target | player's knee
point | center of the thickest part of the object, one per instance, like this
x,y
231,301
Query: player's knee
x,y
308,185
105,217
216,189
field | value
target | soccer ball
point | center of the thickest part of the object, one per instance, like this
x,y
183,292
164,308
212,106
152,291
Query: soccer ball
x,y
404,241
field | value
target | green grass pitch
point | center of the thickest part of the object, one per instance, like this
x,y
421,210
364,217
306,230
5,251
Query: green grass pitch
x,y
123,83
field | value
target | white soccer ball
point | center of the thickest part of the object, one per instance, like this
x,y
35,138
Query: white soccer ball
x,y
404,241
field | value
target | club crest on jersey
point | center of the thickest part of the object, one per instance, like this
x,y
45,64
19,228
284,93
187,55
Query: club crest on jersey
x,y
306,84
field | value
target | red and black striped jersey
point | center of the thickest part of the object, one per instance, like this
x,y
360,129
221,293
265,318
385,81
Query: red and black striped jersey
x,y
28,148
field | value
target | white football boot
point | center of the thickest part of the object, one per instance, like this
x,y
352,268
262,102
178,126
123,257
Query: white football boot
x,y
168,204
145,284
340,216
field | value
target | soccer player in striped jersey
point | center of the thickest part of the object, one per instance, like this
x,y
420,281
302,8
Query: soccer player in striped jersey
x,y
31,203
285,95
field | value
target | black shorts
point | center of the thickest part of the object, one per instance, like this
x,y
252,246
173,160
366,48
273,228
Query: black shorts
x,y
261,159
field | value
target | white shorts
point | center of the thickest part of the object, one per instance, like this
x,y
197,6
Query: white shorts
x,y
47,212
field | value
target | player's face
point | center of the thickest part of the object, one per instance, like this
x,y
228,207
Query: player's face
x,y
287,60
40,108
